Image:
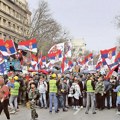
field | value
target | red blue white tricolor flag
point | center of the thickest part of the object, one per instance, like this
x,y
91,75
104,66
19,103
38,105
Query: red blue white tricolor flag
x,y
3,49
64,65
29,45
10,47
116,62
3,68
88,57
109,55
55,56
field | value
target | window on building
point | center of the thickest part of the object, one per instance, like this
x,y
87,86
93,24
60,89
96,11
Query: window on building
x,y
10,37
0,4
0,35
17,15
14,26
4,22
4,7
13,13
21,29
28,32
0,20
4,37
25,31
21,18
9,10
9,24
17,28
20,4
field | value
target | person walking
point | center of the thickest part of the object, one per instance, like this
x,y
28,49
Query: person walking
x,y
14,92
4,98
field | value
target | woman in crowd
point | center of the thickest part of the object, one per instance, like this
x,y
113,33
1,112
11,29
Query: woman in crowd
x,y
42,87
4,98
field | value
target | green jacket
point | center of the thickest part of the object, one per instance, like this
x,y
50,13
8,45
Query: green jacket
x,y
99,87
33,94
15,90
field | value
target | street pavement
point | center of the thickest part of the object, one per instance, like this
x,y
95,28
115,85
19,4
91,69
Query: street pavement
x,y
24,114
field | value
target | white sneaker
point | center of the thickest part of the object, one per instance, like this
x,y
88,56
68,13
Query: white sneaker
x,y
17,110
77,108
74,107
12,112
81,107
118,112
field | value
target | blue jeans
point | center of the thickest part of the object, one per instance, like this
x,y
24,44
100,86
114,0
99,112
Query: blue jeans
x,y
43,99
90,100
13,99
61,100
51,96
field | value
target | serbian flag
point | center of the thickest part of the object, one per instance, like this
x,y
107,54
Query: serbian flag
x,y
49,65
3,49
10,47
56,47
30,45
114,65
110,73
70,64
117,59
99,59
88,57
68,49
82,62
116,62
109,55
104,62
55,56
3,68
64,65
42,62
98,66
88,60
34,59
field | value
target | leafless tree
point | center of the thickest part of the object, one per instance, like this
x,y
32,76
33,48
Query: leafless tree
x,y
45,29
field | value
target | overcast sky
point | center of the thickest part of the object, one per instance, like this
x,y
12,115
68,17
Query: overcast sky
x,y
93,20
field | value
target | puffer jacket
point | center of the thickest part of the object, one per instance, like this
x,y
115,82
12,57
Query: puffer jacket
x,y
99,88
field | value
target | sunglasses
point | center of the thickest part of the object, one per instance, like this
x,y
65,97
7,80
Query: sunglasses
x,y
32,88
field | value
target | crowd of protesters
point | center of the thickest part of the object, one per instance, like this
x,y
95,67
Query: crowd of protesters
x,y
61,91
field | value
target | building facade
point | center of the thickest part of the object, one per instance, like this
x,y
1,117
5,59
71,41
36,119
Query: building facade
x,y
79,47
14,19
